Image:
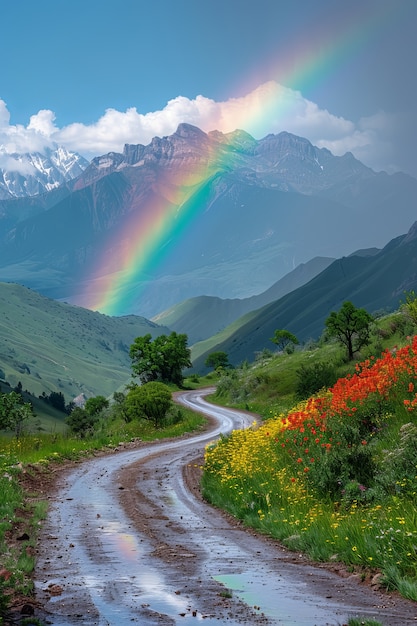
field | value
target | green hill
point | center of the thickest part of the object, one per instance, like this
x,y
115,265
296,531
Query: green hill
x,y
52,346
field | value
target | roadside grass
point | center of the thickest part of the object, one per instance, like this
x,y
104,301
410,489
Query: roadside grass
x,y
357,621
22,511
334,476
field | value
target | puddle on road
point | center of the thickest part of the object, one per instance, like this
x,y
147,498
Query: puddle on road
x,y
284,606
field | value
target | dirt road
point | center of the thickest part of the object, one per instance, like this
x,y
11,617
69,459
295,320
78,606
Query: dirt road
x,y
129,541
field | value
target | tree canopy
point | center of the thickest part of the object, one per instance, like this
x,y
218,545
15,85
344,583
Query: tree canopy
x,y
162,359
217,359
81,422
283,338
95,405
350,326
14,411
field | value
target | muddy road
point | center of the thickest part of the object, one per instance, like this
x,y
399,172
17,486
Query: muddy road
x,y
129,541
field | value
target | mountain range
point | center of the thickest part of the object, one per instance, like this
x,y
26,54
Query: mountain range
x,y
35,173
240,214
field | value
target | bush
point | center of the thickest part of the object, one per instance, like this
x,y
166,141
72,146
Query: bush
x,y
312,378
81,423
150,401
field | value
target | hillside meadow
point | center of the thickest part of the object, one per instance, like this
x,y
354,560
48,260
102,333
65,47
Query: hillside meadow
x,y
332,475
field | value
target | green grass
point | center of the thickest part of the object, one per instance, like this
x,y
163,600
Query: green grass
x,y
358,621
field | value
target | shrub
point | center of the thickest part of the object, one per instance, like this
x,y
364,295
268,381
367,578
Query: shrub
x,y
313,377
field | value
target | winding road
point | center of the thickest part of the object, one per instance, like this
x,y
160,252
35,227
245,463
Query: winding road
x,y
127,542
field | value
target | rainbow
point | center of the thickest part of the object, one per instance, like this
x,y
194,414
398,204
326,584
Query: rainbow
x,y
139,247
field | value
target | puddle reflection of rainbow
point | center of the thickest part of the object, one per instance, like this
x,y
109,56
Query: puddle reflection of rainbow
x,y
126,545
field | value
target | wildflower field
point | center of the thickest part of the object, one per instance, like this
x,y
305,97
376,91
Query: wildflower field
x,y
335,477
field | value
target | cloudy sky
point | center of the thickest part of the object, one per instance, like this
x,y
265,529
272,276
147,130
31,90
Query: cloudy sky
x,y
96,74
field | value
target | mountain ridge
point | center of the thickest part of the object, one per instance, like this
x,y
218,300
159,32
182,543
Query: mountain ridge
x,y
375,282
258,208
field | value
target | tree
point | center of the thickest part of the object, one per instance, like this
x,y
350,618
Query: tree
x,y
217,359
81,423
95,405
150,401
162,359
14,411
350,326
57,400
283,338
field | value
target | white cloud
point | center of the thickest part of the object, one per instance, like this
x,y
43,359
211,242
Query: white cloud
x,y
18,139
270,108
11,164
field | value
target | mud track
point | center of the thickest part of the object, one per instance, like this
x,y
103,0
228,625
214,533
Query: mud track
x,y
129,540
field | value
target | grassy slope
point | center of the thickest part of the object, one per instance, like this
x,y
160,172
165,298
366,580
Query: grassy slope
x,y
268,385
52,346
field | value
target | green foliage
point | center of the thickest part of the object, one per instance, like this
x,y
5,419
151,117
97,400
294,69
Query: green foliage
x,y
400,462
410,306
311,377
150,401
283,339
162,359
57,400
350,326
359,621
82,423
94,406
217,360
14,412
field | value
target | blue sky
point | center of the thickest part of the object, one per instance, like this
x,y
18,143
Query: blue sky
x,y
95,74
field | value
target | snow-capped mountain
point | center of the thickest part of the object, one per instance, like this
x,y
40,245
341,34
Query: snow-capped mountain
x,y
31,174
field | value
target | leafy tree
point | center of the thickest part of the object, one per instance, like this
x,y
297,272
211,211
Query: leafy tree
x,y
283,339
217,359
144,362
95,405
350,326
81,423
14,411
150,401
162,359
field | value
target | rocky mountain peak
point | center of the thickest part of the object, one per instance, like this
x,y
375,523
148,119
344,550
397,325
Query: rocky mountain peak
x,y
34,173
188,131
